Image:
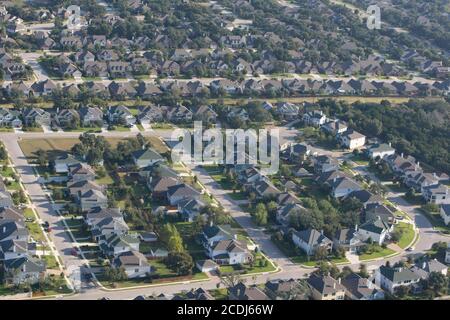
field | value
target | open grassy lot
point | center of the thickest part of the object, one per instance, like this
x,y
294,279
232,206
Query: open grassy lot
x,y
50,262
55,146
157,144
407,234
382,252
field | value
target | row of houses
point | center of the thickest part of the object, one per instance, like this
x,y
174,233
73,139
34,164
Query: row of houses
x,y
347,137
17,248
430,185
91,116
147,90
106,225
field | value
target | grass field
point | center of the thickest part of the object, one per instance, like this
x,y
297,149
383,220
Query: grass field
x,y
56,146
407,234
376,254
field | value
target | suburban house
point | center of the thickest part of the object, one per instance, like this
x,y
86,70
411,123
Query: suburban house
x,y
310,240
390,278
229,251
342,187
326,288
222,247
359,288
62,163
314,118
36,116
335,127
115,244
365,197
436,194
347,239
5,197
380,151
426,267
283,289
377,230
121,115
445,213
159,186
77,188
352,139
10,118
190,208
146,157
24,270
180,192
92,199
91,116
242,292
325,163
81,171
134,263
284,213
150,114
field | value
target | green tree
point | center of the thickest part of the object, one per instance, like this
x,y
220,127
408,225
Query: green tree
x,y
180,262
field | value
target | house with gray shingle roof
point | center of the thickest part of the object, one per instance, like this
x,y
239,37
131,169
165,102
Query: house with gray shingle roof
x,y
326,288
134,263
180,192
115,244
390,278
242,292
146,157
23,270
377,230
310,240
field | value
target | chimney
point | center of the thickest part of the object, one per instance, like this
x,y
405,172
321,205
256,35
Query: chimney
x,y
334,285
390,144
401,155
321,232
339,280
424,264
356,227
211,223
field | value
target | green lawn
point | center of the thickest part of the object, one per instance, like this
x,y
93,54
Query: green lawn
x,y
219,294
383,252
35,231
407,234
106,180
238,196
50,262
85,129
140,127
121,128
13,186
360,159
6,171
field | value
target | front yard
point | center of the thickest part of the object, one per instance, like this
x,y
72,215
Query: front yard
x,y
407,234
